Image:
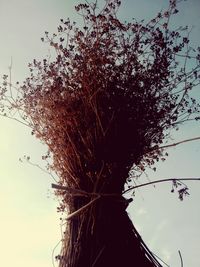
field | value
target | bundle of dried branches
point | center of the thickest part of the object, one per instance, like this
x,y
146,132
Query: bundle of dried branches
x,y
107,102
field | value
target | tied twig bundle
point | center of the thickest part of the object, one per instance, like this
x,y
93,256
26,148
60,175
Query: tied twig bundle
x,y
113,94
108,101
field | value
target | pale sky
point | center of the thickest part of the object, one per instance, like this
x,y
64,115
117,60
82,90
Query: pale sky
x,y
29,224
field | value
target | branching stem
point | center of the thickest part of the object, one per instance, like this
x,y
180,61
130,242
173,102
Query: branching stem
x,y
160,181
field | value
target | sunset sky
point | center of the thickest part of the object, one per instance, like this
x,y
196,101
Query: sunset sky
x,y
29,223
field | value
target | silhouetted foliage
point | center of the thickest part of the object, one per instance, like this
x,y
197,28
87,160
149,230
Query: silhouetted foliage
x,y
106,103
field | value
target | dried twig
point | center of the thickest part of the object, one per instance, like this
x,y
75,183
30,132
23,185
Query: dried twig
x,y
77,212
173,145
180,258
181,142
160,181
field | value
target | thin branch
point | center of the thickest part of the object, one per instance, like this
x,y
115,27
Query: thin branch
x,y
183,121
15,119
160,181
161,259
77,212
98,256
10,78
181,142
180,258
53,261
174,144
38,166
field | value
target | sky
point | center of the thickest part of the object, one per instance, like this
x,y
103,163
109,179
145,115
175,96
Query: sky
x,y
29,224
